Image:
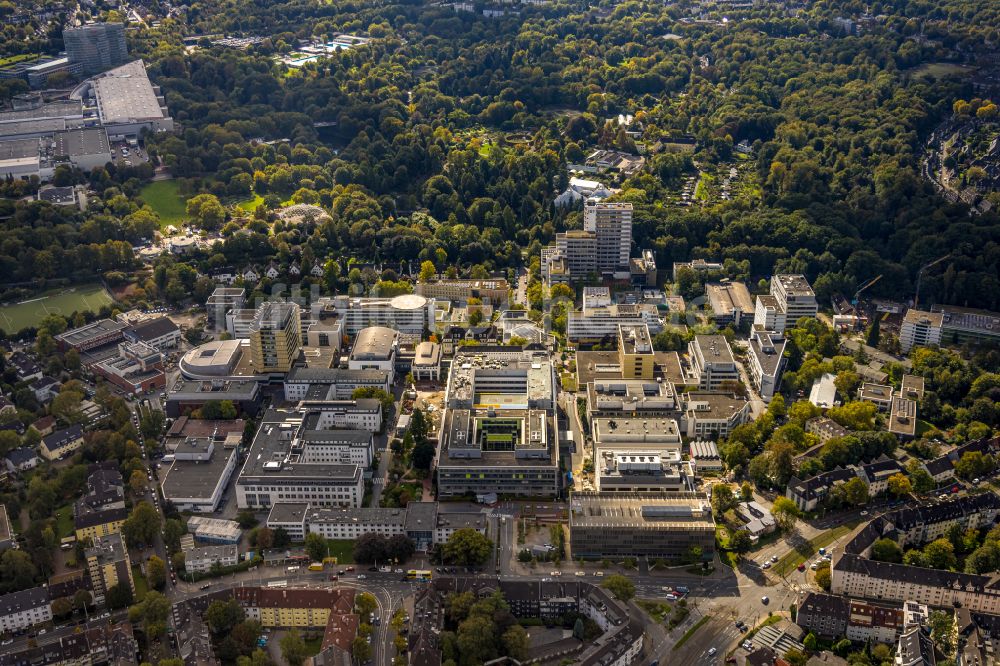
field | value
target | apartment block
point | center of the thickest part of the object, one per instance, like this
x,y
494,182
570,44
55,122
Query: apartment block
x,y
275,337
24,609
611,224
108,565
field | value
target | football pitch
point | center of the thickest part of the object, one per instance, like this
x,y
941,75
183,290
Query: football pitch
x,y
64,301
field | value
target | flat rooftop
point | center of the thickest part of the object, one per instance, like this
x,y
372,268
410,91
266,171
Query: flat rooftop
x,y
903,417
714,348
92,141
727,297
679,510
269,455
84,334
58,109
921,317
634,339
125,95
594,366
969,319
42,126
795,285
17,149
196,479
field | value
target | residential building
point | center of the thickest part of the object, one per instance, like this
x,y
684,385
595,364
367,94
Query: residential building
x,y
878,394
706,414
635,351
160,333
876,474
202,559
809,493
375,348
96,47
915,648
920,329
275,337
495,291
6,535
427,362
281,467
730,303
304,608
712,362
331,383
24,609
498,431
826,429
577,249
101,511
758,520
825,615
912,387
611,224
108,565
61,443
903,418
654,525
21,459
766,362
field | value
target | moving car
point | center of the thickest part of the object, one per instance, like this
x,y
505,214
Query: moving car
x,y
711,652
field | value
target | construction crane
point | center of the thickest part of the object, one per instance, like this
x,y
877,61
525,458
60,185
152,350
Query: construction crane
x,y
875,279
920,274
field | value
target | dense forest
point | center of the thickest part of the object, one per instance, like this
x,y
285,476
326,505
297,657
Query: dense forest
x,y
446,137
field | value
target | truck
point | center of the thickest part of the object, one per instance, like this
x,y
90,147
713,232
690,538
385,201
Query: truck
x,y
316,566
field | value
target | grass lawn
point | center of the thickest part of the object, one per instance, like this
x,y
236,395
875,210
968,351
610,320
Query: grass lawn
x,y
342,549
250,205
789,561
164,196
939,70
923,427
21,57
64,301
141,587
690,632
656,610
64,521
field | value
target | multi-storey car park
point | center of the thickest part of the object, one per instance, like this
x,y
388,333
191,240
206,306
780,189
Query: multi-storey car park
x,y
498,432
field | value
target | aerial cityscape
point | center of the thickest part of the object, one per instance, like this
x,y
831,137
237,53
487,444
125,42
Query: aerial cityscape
x,y
496,333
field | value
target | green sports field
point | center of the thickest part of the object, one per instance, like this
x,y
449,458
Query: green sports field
x,y
64,301
164,197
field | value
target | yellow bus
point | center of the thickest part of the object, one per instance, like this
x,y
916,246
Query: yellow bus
x,y
418,574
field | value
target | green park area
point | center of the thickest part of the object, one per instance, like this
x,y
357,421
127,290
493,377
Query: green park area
x,y
164,197
14,59
64,301
807,549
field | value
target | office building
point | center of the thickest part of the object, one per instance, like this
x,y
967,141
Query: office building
x,y
961,325
600,323
204,558
331,383
730,303
284,465
108,565
222,300
498,430
203,456
879,395
920,329
426,362
410,314
160,333
635,434
642,270
795,298
375,348
137,369
711,415
214,530
96,47
275,337
635,351
654,525
768,315
187,395
495,291
24,609
362,414
611,224
766,362
712,362
631,399
626,471
697,265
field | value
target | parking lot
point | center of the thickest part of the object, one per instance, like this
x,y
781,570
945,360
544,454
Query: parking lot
x,y
128,155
